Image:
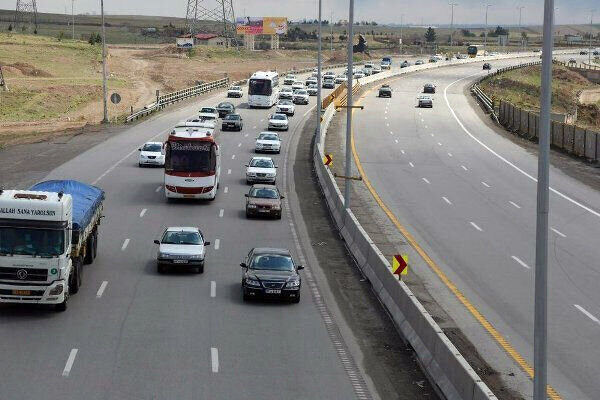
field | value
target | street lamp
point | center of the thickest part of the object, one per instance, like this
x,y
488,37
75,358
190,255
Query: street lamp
x,y
452,23
105,119
486,30
520,8
348,166
591,30
319,101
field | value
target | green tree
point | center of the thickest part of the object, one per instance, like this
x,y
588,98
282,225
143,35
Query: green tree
x,y
60,36
92,39
10,28
98,38
430,35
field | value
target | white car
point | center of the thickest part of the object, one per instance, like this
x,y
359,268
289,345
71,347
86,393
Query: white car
x,y
261,169
341,78
301,97
329,73
376,69
311,81
328,83
278,121
286,107
181,247
151,154
289,79
359,75
312,90
286,93
297,85
209,113
235,91
268,142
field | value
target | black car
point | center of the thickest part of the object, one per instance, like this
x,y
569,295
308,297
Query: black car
x,y
225,108
271,273
232,122
429,88
405,64
487,66
385,91
583,53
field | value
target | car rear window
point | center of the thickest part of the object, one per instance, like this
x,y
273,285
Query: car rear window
x,y
274,262
263,193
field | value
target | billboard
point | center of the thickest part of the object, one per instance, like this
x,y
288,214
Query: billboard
x,y
275,25
185,43
249,25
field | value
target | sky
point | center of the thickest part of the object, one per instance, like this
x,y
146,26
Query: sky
x,y
427,12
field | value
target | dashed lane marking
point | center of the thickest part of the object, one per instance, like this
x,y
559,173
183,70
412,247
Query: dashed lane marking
x,y
213,289
514,204
214,359
426,181
221,212
226,189
587,313
101,289
521,262
70,361
125,243
474,225
217,244
485,184
559,233
143,212
446,200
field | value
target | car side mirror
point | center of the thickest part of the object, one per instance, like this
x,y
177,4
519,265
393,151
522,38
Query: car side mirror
x,y
246,165
139,149
243,265
246,195
282,197
156,241
277,166
207,243
300,267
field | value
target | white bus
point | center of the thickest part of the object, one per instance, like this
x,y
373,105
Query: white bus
x,y
263,89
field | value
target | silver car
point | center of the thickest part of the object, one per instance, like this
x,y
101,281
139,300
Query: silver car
x,y
181,247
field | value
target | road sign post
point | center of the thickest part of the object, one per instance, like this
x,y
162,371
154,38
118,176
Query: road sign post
x,y
328,160
400,265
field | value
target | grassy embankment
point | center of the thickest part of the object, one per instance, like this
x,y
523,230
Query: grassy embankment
x,y
521,87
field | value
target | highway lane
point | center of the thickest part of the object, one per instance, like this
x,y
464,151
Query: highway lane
x,y
475,215
133,334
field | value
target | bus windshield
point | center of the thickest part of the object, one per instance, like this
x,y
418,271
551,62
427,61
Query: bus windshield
x,y
32,242
260,87
472,50
191,157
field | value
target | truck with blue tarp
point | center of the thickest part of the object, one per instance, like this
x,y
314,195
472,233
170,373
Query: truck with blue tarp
x,y
47,234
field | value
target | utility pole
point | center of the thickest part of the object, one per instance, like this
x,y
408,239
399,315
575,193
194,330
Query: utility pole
x,y
452,23
105,119
486,30
540,340
520,8
331,26
73,17
401,25
349,110
319,106
591,30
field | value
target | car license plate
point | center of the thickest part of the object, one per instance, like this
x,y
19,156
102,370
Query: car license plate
x,y
22,292
273,291
188,196
180,261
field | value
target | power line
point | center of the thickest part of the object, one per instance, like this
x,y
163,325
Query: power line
x,y
26,14
211,16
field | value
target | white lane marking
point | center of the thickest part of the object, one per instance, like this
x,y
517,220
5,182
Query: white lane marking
x,y
463,167
514,204
70,362
221,212
439,143
485,184
386,110
446,200
217,244
396,140
401,151
587,313
101,289
422,120
254,127
388,125
158,189
391,133
384,117
246,135
476,226
213,289
426,181
262,120
411,164
214,359
239,145
309,110
125,243
233,157
425,126
228,172
559,233
226,189
449,154
488,148
143,212
517,259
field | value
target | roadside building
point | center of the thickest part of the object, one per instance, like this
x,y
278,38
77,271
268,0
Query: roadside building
x,y
209,39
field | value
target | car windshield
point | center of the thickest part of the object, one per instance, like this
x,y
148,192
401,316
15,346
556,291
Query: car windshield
x,y
32,242
235,88
153,147
273,262
207,110
267,136
225,105
182,237
286,90
261,163
279,117
232,117
285,103
300,92
264,193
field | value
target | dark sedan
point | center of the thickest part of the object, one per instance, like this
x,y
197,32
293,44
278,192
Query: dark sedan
x,y
263,201
385,91
225,108
487,66
429,88
271,273
232,122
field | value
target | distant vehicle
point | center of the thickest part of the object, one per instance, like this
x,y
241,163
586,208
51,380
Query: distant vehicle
x,y
583,53
286,93
261,169
207,113
359,74
419,62
312,90
47,233
386,62
404,64
368,69
235,91
232,122
376,69
572,61
474,50
461,56
311,81
329,74
278,121
297,85
289,79
429,88
263,200
263,89
192,164
537,50
268,142
225,108
181,247
286,107
425,101
151,154
433,60
329,82
487,66
341,78
385,91
596,52
271,273
301,97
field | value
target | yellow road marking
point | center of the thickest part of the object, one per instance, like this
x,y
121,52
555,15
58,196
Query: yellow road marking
x,y
506,346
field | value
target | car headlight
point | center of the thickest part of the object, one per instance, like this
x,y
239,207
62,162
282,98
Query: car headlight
x,y
58,289
271,175
197,257
142,156
164,255
276,208
251,205
293,284
252,282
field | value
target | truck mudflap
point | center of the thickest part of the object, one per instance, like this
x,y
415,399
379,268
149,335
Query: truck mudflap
x,y
52,294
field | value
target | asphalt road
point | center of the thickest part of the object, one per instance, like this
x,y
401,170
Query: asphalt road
x,y
468,195
133,334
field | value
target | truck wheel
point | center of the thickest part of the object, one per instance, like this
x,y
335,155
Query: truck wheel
x,y
75,277
95,243
201,268
61,307
89,250
161,269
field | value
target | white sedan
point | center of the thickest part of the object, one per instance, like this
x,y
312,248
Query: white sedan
x,y
278,121
297,85
268,142
286,93
312,90
301,97
181,246
151,154
341,78
235,91
261,169
310,81
209,113
286,107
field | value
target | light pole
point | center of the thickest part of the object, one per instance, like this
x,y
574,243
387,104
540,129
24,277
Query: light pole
x,y
73,17
591,30
401,25
105,119
348,169
486,30
319,100
540,340
452,23
331,26
520,8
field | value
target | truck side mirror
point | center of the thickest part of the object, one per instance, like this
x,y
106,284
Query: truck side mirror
x,y
207,243
243,265
156,241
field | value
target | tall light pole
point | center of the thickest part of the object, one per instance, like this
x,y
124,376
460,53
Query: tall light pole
x,y
105,119
520,8
540,339
452,22
401,26
591,30
486,30
348,169
319,100
331,26
73,17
